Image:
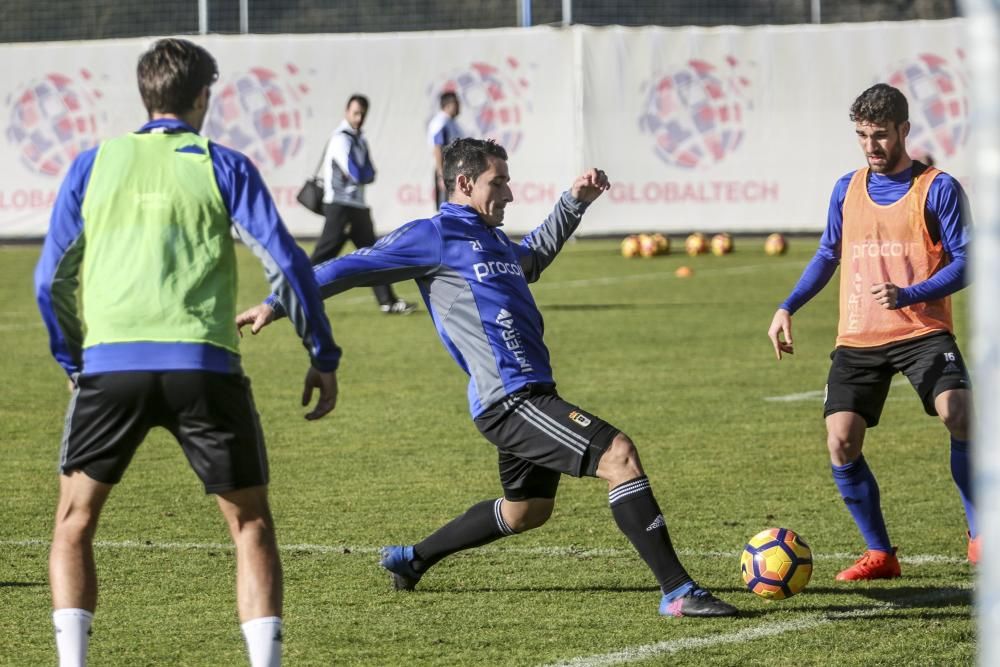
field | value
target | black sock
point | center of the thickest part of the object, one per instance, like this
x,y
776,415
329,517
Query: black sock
x,y
638,516
481,524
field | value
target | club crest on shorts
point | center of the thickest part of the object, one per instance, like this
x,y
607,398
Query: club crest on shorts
x,y
580,418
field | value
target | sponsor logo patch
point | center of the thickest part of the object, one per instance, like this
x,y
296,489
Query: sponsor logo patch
x,y
512,339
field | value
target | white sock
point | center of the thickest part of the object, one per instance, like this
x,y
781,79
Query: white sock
x,y
263,637
72,635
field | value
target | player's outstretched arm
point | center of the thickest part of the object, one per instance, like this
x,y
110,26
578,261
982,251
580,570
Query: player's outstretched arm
x,y
539,248
257,317
780,333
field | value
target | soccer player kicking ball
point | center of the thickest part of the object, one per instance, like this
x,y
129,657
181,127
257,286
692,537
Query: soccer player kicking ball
x,y
474,281
898,228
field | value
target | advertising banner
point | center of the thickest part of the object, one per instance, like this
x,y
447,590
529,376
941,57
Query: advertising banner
x,y
736,129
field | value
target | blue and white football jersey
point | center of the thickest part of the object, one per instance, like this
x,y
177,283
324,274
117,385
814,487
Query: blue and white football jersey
x,y
474,281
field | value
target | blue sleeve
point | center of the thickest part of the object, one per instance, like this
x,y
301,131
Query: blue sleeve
x,y
537,250
947,202
56,275
288,270
411,251
824,263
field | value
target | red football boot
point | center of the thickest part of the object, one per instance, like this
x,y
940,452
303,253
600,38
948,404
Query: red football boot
x,y
974,549
872,565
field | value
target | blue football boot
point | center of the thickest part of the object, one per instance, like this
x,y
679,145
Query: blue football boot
x,y
397,560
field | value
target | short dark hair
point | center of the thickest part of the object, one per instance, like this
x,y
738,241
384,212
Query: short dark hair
x,y
469,157
173,73
360,99
447,97
880,104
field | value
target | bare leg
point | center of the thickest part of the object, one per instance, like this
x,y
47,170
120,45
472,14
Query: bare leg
x,y
258,565
845,436
72,572
955,409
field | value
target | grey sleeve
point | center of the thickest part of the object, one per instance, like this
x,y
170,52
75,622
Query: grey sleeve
x,y
540,247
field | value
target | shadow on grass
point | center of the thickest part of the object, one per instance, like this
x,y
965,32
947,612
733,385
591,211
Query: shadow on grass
x,y
879,600
894,599
21,584
538,589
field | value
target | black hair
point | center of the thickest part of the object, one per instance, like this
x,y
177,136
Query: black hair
x,y
469,157
360,99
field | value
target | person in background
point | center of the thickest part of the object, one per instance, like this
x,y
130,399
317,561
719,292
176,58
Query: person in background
x,y
441,131
347,169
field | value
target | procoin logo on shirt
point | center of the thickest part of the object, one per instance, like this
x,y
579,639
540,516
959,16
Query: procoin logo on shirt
x,y
484,269
883,249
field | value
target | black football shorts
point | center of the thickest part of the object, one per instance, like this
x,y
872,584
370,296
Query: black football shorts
x,y
859,377
211,415
540,437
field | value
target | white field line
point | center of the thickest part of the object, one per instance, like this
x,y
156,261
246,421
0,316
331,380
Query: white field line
x,y
808,622
557,552
817,394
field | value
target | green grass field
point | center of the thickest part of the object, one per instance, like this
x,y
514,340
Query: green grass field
x,y
681,365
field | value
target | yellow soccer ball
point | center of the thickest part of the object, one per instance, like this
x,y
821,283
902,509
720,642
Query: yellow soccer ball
x,y
648,246
722,244
696,244
630,246
662,244
775,244
776,564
